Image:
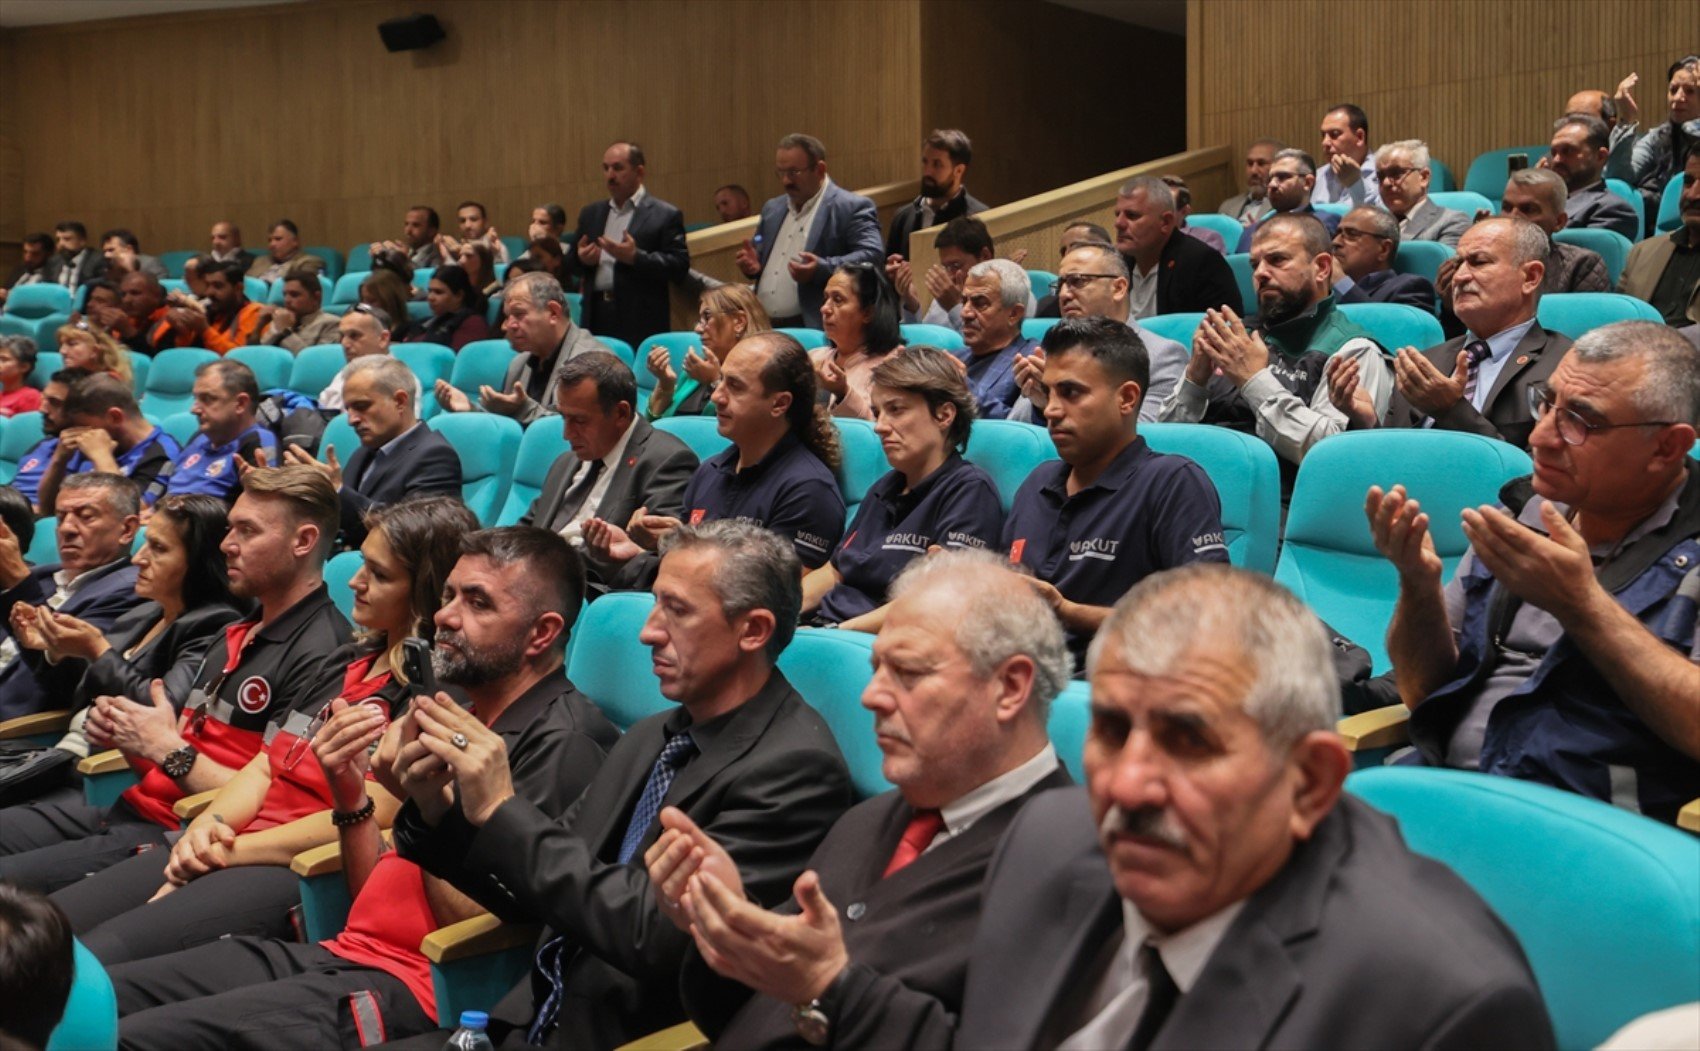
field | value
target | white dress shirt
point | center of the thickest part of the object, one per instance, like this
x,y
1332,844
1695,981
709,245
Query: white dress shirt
x,y
1500,346
64,587
1329,189
960,815
776,288
573,532
619,221
1142,292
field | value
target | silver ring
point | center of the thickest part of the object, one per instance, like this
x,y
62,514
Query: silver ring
x,y
459,741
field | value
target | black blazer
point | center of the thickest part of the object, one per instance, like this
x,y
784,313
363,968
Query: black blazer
x,y
93,264
767,783
1387,286
908,220
641,305
175,655
423,463
1507,417
1356,942
1192,276
915,927
653,474
30,684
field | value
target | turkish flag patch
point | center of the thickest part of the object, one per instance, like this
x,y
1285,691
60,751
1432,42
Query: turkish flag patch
x,y
255,695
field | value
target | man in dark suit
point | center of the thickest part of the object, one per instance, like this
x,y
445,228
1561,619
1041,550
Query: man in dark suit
x,y
743,756
807,234
75,263
945,156
630,247
966,663
618,463
1365,243
1211,886
93,581
1292,177
398,456
1171,273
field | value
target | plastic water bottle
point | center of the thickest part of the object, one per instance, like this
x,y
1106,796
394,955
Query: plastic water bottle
x,y
471,1035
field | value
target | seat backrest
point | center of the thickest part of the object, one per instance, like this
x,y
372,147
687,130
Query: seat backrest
x,y
1247,478
17,436
1441,179
1488,172
339,570
47,362
1226,225
140,365
91,1013
608,663
430,362
810,338
46,332
1008,451
575,307
1636,201
933,336
1039,282
1395,325
622,350
488,445
676,343
38,300
542,444
171,380
1613,247
173,262
1422,258
271,365
1328,557
515,245
1469,201
1178,327
181,425
330,257
422,277
256,290
830,669
481,363
700,433
340,436
1575,313
493,312
1670,206
1606,903
1240,264
359,259
45,547
1034,328
862,461
315,367
347,288
1071,716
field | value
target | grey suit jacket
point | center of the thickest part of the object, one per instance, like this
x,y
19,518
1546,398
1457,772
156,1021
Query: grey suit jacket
x,y
1355,943
846,229
578,341
1647,262
1236,205
1505,413
1430,222
1596,206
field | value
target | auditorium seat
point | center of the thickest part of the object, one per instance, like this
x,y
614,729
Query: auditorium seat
x,y
346,291
338,435
47,362
174,262
1422,258
171,380
255,289
12,325
1008,451
38,301
1605,903
1612,247
339,570
1328,557
493,312
481,363
1469,201
1395,325
44,548
862,462
810,338
1636,201
271,365
933,336
90,1021
1226,225
1240,264
1488,172
1070,719
575,307
17,435
830,667
539,448
609,665
1243,469
1035,327
422,277
315,367
622,350
181,425
430,362
1574,313
700,433
676,343
1039,282
488,445
516,246
331,258
418,310
1670,207
1337,208
1178,327
358,260
1441,179
46,334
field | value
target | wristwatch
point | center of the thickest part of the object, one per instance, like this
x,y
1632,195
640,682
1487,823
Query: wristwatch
x,y
811,1020
177,764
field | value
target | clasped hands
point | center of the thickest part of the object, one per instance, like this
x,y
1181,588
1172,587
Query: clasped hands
x,y
439,751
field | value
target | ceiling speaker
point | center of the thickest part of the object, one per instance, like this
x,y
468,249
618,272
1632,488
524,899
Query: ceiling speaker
x,y
411,33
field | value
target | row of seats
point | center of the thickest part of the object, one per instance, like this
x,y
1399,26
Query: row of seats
x,y
1488,172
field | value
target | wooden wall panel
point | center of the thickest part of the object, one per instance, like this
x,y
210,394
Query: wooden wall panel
x,y
1464,75
298,110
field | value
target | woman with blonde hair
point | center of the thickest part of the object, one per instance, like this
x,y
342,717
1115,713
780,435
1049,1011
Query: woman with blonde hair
x,y
85,346
726,315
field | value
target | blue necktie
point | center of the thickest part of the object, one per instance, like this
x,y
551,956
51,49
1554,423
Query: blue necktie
x,y
549,958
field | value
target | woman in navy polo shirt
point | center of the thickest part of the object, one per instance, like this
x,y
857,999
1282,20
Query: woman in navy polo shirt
x,y
931,498
858,313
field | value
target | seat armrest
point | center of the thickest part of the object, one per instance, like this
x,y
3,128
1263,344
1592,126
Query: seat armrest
x,y
110,762
682,1037
1381,728
189,807
477,936
54,722
1689,816
323,860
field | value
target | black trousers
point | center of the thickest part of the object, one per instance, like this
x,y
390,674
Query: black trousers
x,y
111,913
510,1021
263,994
54,842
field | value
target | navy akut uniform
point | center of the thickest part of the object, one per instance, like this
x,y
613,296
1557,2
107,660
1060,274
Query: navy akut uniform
x,y
791,491
1147,512
955,506
209,468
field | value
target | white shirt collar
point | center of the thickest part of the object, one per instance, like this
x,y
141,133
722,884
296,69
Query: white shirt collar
x,y
809,205
960,814
631,202
1184,952
613,458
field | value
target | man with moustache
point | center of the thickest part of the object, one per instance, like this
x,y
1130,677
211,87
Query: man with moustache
x,y
630,247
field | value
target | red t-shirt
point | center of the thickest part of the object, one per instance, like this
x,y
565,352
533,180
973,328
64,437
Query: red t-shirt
x,y
298,785
388,920
24,399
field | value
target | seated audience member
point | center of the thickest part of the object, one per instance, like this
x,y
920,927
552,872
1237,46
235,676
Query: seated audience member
x,y
192,277
475,229
945,156
479,263
858,313
33,464
37,968
93,580
1348,170
731,203
1292,175
284,255
302,321
1665,270
548,223
962,243
104,430
100,297
142,321
122,253
388,290
1264,375
32,268
363,331
932,497
398,262
806,234
226,395
279,532
1183,208
85,346
229,873
965,669
630,248
1659,155
1110,511
1539,196
1248,206
537,323
73,263
777,473
1092,282
1073,236
398,456
1365,243
756,769
17,361
226,241
725,315
1580,146
420,228
17,515
1169,272
1402,172
507,608
617,464
550,257
457,310
226,321
1108,922
1565,648
1619,113
995,298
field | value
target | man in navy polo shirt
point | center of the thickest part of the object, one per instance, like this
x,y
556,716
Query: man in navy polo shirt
x,y
226,395
106,431
994,302
1112,512
33,464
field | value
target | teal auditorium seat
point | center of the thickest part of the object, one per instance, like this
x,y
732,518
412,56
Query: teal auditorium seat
x,y
700,433
1008,451
422,277
140,366
255,289
481,363
933,336
493,311
17,436
1470,201
1670,207
1488,172
610,666
862,462
1070,719
1328,558
1338,208
339,436
810,338
430,362
831,668
339,570
44,330
315,367
515,245
38,301
181,426
271,365
44,548
47,362
1240,264
417,310
1628,193
11,325
1612,246
1039,282
1036,327
622,350
1574,313
1226,225
90,1022
330,257
174,262
359,259
539,448
1247,479
171,380
1395,325
677,343
1440,176
1422,258
347,288
488,445
1606,903
1178,327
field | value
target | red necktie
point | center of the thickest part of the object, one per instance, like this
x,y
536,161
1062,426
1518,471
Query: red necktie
x,y
922,828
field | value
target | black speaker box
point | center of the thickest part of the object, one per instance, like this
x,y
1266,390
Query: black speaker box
x,y
411,33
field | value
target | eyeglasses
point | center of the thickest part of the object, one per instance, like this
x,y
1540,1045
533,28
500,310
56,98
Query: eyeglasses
x,y
1571,426
707,317
792,173
1078,281
1393,174
1280,177
1352,234
956,266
